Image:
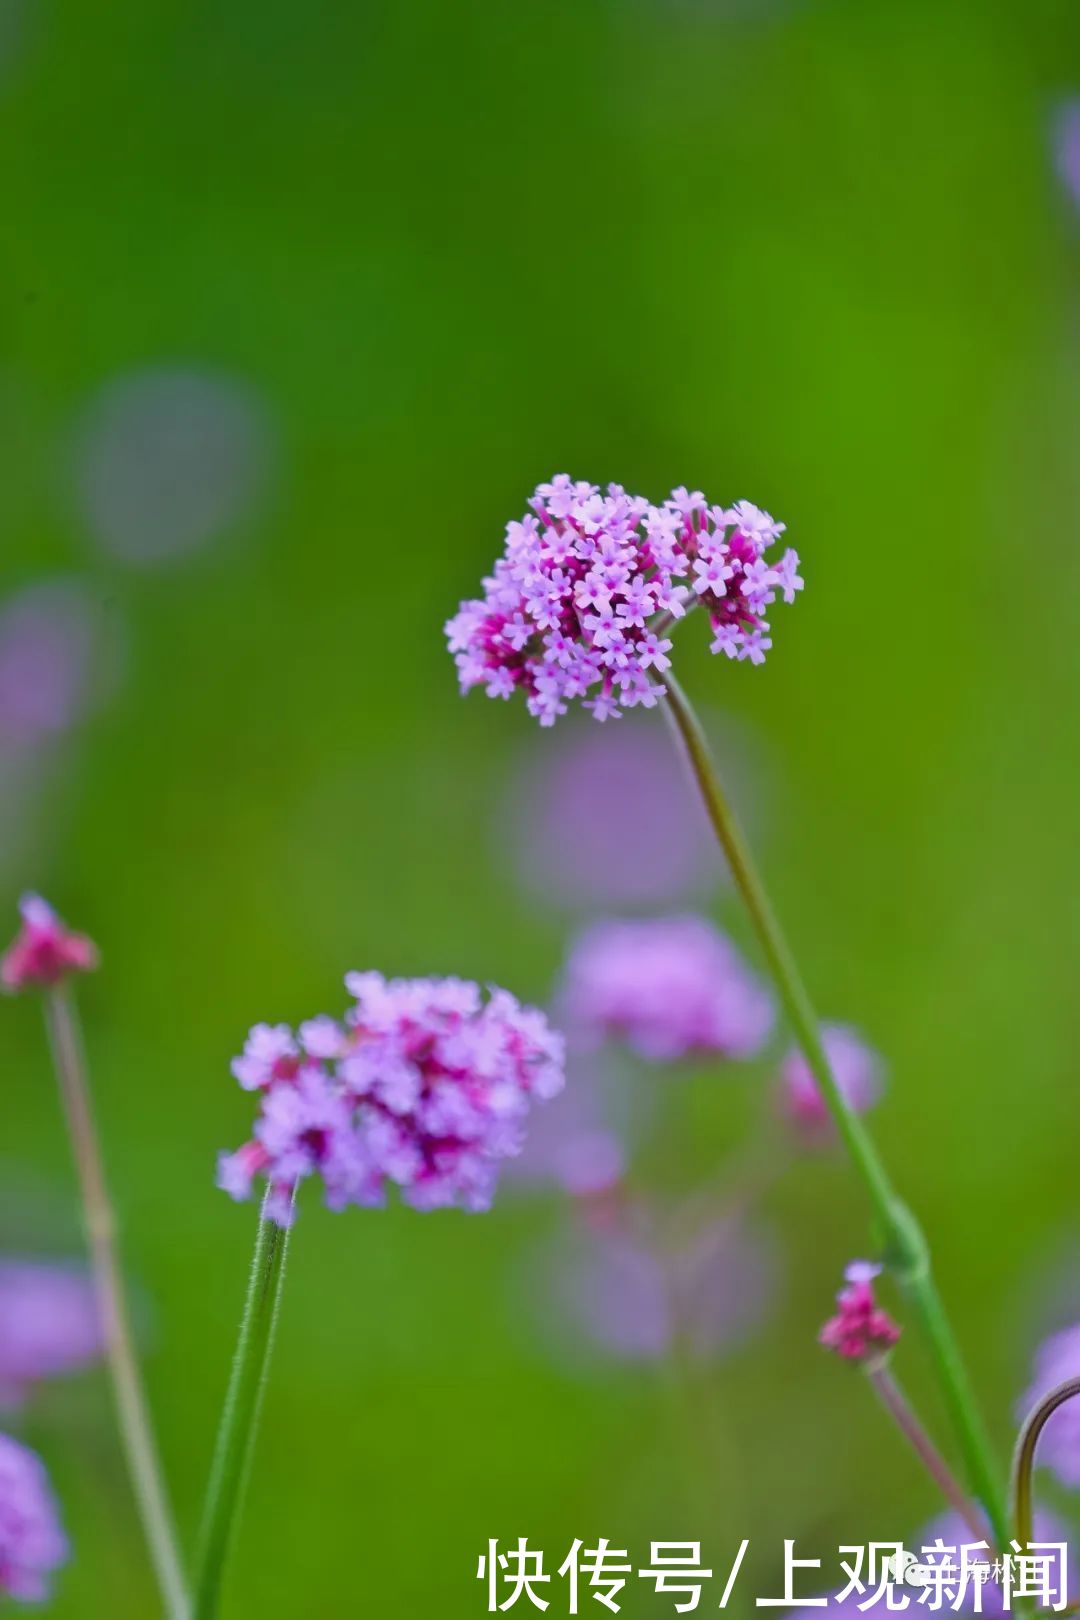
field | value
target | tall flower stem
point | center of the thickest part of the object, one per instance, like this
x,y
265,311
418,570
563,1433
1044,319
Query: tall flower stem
x,y
906,1250
136,1430
896,1404
240,1417
1024,1457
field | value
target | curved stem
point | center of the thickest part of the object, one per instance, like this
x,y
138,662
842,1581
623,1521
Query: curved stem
x,y
136,1429
1024,1456
907,1252
240,1417
895,1402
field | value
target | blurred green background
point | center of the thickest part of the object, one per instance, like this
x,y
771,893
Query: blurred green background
x,y
812,254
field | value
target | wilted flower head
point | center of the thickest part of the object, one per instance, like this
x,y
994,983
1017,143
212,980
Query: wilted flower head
x,y
44,951
576,605
32,1543
860,1329
424,1085
1057,1359
669,986
48,1325
856,1067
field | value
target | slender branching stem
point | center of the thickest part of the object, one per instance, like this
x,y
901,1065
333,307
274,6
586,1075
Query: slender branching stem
x,y
1024,1456
906,1249
240,1417
136,1430
888,1391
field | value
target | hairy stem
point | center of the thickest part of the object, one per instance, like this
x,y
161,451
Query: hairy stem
x,y
240,1417
136,1430
895,1402
906,1249
1024,1456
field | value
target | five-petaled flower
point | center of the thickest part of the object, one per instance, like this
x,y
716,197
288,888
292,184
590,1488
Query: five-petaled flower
x,y
860,1330
568,611
424,1085
44,951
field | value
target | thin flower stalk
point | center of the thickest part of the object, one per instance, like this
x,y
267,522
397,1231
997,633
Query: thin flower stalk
x,y
906,1248
896,1404
136,1428
1024,1457
240,1417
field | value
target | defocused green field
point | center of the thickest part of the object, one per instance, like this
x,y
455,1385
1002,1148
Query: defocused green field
x,y
813,254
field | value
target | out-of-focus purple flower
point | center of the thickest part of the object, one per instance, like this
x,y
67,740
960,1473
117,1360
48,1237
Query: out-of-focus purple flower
x,y
48,1325
857,1069
669,987
600,818
32,1544
949,1530
424,1085
577,605
1066,137
168,461
631,1298
1057,1359
580,1141
44,951
860,1329
51,638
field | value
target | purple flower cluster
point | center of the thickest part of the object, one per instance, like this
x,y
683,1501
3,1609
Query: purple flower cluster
x,y
32,1543
668,986
570,610
856,1068
860,1330
45,950
424,1084
48,1325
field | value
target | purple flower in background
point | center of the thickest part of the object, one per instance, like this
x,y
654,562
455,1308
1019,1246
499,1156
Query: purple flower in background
x,y
32,1544
424,1085
169,460
45,951
1057,1359
565,613
48,1325
600,818
1067,145
860,1329
669,987
950,1530
856,1067
630,1297
50,642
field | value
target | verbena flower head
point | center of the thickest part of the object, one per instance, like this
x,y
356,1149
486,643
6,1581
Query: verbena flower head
x,y
575,606
49,1325
425,1085
856,1067
44,951
860,1330
670,987
32,1544
1057,1359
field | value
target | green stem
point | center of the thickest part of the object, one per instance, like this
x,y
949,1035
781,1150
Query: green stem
x,y
899,1408
1024,1457
906,1249
240,1417
136,1429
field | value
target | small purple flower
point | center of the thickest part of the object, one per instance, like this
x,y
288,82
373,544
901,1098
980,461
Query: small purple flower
x,y
424,1085
45,951
48,1325
32,1544
1057,1359
669,987
860,1330
565,612
856,1067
